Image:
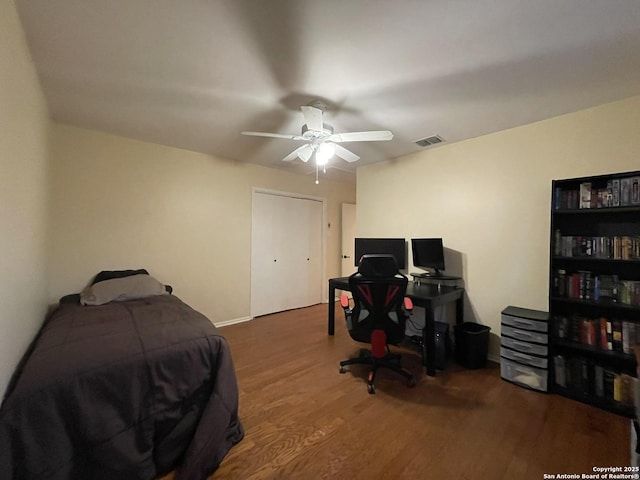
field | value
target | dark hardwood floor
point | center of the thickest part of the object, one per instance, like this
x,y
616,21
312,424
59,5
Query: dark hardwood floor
x,y
304,420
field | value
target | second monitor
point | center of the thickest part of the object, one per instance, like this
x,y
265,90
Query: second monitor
x,y
428,253
394,246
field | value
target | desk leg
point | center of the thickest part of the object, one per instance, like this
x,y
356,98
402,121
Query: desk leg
x,y
332,309
429,342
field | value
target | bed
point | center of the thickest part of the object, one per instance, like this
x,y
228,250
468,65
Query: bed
x,y
132,388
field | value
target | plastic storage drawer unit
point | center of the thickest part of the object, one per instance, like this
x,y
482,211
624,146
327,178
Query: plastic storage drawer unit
x,y
530,377
524,351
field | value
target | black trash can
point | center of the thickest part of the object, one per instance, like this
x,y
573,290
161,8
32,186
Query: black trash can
x,y
472,344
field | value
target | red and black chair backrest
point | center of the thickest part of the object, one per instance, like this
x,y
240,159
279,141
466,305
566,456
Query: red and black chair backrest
x,y
378,290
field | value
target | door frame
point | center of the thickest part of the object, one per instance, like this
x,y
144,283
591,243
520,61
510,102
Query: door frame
x,y
350,247
323,240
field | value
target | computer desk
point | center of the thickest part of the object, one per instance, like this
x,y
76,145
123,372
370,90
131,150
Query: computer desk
x,y
428,296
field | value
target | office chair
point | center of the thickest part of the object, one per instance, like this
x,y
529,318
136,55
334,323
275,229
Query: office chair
x,y
378,315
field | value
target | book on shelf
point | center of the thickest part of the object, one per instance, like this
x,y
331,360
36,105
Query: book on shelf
x,y
616,335
615,192
598,381
574,329
577,375
629,292
566,199
602,247
561,324
574,199
585,195
626,247
627,389
624,389
628,336
586,244
635,190
606,288
601,199
559,287
606,334
625,191
608,195
587,286
587,331
608,380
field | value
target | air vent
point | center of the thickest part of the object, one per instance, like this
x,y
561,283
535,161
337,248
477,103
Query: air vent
x,y
432,140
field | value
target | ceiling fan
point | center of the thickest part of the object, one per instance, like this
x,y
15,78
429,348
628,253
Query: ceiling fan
x,y
321,140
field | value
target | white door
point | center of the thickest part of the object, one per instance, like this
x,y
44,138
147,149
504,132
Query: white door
x,y
286,253
348,238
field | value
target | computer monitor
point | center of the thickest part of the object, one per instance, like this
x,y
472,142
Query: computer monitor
x,y
428,253
394,246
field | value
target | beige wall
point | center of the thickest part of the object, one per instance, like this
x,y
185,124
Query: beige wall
x,y
23,188
186,217
489,198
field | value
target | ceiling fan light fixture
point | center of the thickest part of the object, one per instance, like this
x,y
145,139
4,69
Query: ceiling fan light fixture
x,y
324,152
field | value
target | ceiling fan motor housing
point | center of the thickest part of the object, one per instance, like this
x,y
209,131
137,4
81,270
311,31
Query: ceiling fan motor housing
x,y
308,134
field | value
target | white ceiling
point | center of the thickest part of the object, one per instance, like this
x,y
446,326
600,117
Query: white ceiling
x,y
194,73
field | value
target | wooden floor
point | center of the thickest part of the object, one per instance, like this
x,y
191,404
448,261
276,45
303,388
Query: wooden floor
x,y
303,420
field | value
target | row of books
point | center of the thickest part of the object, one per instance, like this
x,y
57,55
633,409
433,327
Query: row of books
x,y
618,192
585,285
602,333
624,247
583,375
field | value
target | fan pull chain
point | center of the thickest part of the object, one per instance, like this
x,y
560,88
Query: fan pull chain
x,y
317,181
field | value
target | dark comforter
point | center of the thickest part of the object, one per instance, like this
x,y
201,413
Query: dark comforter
x,y
127,390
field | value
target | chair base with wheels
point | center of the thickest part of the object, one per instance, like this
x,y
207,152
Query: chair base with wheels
x,y
379,356
390,361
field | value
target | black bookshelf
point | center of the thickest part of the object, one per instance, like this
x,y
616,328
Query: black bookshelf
x,y
594,289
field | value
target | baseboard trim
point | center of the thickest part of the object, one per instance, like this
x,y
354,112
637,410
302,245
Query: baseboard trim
x,y
233,321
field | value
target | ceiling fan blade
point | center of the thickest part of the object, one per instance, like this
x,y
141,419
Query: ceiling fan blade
x,y
345,154
273,135
374,136
296,153
305,152
312,117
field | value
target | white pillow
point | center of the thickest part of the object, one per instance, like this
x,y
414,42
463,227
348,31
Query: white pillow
x,y
120,289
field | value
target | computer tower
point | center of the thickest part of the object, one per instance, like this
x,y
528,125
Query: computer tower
x,y
442,344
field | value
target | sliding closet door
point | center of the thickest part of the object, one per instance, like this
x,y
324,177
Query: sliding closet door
x,y
265,251
286,253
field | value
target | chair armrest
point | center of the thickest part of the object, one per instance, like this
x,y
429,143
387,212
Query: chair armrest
x,y
344,301
408,304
